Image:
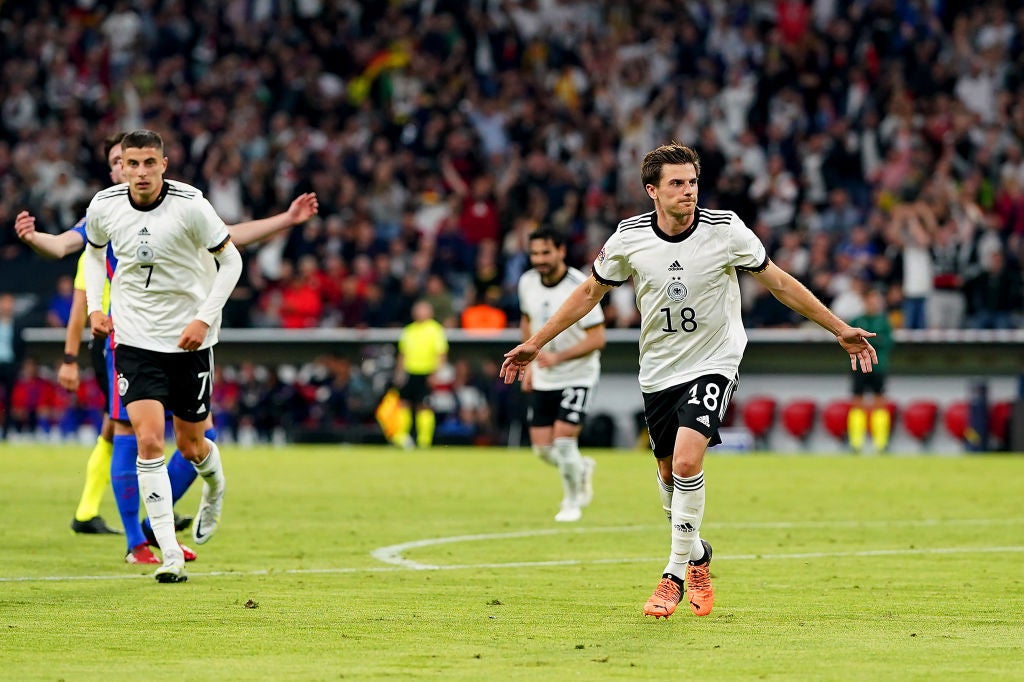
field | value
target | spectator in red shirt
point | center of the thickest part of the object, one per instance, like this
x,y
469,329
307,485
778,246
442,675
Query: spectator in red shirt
x,y
32,400
301,305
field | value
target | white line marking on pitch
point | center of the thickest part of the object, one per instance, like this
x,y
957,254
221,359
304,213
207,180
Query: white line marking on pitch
x,y
392,554
410,565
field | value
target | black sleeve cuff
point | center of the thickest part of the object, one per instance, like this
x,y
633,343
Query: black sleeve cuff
x,y
759,268
607,282
220,247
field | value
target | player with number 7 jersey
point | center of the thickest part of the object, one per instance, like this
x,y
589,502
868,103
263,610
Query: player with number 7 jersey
x,y
159,283
167,295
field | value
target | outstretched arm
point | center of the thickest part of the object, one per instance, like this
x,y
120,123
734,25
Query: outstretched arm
x,y
796,296
580,302
43,243
304,207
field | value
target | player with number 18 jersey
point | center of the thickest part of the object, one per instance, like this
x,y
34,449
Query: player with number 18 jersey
x,y
687,291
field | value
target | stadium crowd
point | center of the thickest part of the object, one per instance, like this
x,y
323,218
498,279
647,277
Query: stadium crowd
x,y
870,143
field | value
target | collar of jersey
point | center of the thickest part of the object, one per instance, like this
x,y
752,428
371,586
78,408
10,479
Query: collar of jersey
x,y
149,207
674,238
551,286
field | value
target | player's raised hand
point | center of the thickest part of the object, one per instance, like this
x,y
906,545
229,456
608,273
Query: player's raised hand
x,y
100,324
854,341
193,335
25,227
516,361
304,207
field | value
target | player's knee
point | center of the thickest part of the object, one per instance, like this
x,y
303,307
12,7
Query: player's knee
x,y
151,445
687,463
191,450
192,447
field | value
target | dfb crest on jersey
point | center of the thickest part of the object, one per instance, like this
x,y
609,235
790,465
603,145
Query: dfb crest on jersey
x,y
145,253
602,255
676,291
122,384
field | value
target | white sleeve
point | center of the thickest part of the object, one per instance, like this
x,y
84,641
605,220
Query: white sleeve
x,y
748,253
93,231
230,270
611,267
211,232
95,277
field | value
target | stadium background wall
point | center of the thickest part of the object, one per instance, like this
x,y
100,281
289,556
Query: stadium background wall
x,y
787,364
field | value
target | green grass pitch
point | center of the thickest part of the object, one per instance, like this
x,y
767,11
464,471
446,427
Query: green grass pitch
x,y
356,563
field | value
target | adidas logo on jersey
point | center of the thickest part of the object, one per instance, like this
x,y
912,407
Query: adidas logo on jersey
x,y
144,232
703,419
675,267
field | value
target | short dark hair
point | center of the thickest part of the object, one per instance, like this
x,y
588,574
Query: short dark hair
x,y
110,142
673,154
141,139
548,233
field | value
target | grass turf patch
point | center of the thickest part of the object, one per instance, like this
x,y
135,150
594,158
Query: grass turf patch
x,y
366,563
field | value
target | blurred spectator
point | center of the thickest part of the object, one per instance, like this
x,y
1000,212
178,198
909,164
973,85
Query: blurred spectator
x,y
12,352
840,216
946,303
300,302
441,300
462,411
485,312
31,402
911,231
224,403
994,297
59,309
775,192
345,398
444,125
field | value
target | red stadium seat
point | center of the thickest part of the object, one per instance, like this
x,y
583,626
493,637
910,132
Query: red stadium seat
x,y
919,418
955,419
759,417
999,423
834,418
798,418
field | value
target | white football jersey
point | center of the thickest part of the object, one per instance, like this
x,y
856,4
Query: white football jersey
x,y
539,302
163,271
687,292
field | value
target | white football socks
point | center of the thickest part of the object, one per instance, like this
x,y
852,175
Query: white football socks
x,y
155,489
665,491
210,468
571,466
687,514
544,454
